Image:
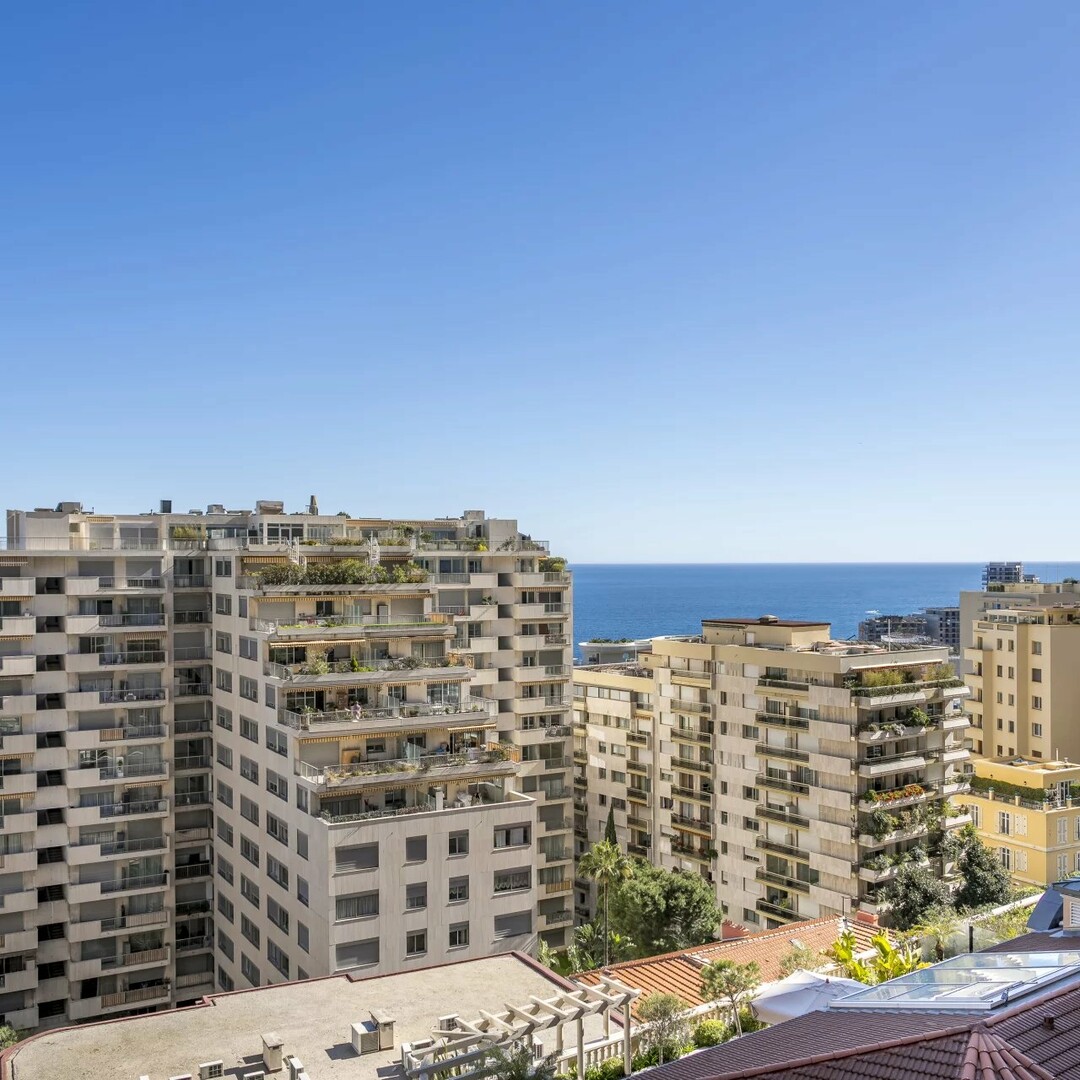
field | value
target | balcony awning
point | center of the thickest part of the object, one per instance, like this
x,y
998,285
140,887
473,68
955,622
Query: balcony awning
x,y
262,560
144,636
18,637
11,756
146,783
13,560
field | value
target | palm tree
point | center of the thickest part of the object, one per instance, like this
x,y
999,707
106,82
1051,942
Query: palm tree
x,y
724,980
939,925
505,1064
605,864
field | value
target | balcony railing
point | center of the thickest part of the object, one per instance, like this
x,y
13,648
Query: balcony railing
x,y
186,871
785,881
190,618
783,817
126,809
191,581
776,848
796,787
328,775
190,944
784,752
146,618
142,881
783,684
123,847
124,697
466,706
691,823
691,793
131,997
796,723
108,659
777,911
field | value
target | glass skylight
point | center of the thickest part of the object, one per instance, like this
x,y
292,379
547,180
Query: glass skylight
x,y
968,983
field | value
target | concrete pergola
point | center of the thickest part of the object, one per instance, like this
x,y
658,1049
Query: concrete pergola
x,y
461,1046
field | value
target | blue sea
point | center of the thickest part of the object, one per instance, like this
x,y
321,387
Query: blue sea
x,y
639,600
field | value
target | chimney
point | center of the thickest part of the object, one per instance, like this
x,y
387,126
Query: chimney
x,y
271,1052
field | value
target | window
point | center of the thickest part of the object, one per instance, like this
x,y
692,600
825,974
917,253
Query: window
x,y
249,930
222,604
224,979
1062,831
459,935
459,888
249,810
1062,866
223,642
277,914
458,844
250,850
277,957
249,648
224,718
224,944
514,925
223,679
1005,857
1036,674
249,689
751,793
277,830
1036,648
224,756
249,729
512,836
225,907
249,891
416,943
1003,823
357,857
302,890
1012,673
1036,731
357,906
276,784
270,696
301,799
301,844
249,770
224,793
224,869
302,937
415,848
999,671
277,741
618,777
513,880
1036,702
357,954
225,831
416,896
277,871
241,607
223,568
249,971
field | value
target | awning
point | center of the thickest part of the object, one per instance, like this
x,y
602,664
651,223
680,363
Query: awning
x,y
10,757
18,637
146,783
143,636
13,560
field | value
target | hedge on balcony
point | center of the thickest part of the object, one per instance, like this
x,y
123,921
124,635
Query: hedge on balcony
x,y
345,572
1003,790
905,688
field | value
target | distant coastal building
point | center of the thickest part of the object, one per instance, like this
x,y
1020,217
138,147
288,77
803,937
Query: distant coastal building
x,y
612,650
931,626
943,624
1005,573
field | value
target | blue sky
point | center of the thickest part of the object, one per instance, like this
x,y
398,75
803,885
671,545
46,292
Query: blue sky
x,y
669,282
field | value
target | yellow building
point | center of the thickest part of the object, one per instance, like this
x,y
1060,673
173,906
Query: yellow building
x,y
1024,812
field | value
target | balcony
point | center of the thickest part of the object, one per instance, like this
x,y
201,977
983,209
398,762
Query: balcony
x,y
91,851
691,678
563,885
127,619
142,808
690,851
16,941
136,959
557,918
641,850
18,783
763,843
693,824
785,882
894,763
201,617
697,794
193,980
190,870
138,883
467,712
425,769
194,944
127,998
14,588
18,862
130,659
876,875
16,626
89,739
782,817
192,836
678,705
638,737
23,743
191,581
15,667
691,735
777,783
133,696
639,767
783,912
694,766
786,721
192,762
785,753
783,684
335,626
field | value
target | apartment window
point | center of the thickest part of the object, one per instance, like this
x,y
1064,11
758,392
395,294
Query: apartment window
x,y
1012,727
277,914
242,607
458,844
225,907
1012,699
459,888
416,896
356,857
224,719
750,915
1062,866
976,817
513,880
999,644
514,925
357,954
223,679
416,943
1000,671
415,848
301,844
1004,823
223,642
225,981
1012,645
1063,831
1005,857
512,836
249,648
250,850
249,971
249,689
1036,674
459,935
277,785
225,831
277,741
249,930
222,604
249,891
357,906
249,770
1012,673
269,696
277,829
1036,703
249,810
751,793
249,730
301,799
223,568
302,890
224,793
224,869
277,871
1036,731
303,938
1000,697
224,756
224,944
277,957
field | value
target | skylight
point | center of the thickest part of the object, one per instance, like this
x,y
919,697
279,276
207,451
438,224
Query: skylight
x,y
969,983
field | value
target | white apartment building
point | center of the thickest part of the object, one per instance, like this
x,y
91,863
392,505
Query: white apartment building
x,y
211,780
795,772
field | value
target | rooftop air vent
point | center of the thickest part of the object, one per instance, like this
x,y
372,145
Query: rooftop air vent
x,y
768,619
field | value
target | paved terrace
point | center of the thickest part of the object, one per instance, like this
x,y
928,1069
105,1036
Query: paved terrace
x,y
313,1019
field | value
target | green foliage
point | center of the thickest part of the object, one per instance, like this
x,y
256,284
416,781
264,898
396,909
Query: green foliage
x,y
342,572
1010,791
710,1033
664,910
586,950
612,1069
724,980
938,926
800,958
913,894
610,834
1007,924
556,564
888,961
8,1036
985,881
605,864
517,1064
666,1016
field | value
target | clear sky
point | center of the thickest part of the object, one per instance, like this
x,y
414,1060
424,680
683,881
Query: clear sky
x,y
668,281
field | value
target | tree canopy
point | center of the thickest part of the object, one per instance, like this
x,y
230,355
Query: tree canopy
x,y
608,867
913,894
985,881
664,910
724,980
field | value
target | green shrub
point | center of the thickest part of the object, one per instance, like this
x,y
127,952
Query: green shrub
x,y
710,1033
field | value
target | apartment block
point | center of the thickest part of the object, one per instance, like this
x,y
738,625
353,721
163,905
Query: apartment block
x,y
1027,813
238,747
793,771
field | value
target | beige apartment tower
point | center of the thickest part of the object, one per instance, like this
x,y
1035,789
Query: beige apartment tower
x,y
241,747
795,772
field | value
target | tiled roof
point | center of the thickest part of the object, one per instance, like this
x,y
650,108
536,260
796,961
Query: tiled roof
x,y
680,972
1034,1040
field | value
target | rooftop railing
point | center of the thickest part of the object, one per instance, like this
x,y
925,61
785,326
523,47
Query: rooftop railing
x,y
479,707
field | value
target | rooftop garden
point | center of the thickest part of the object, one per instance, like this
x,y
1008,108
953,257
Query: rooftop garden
x,y
345,572
881,682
